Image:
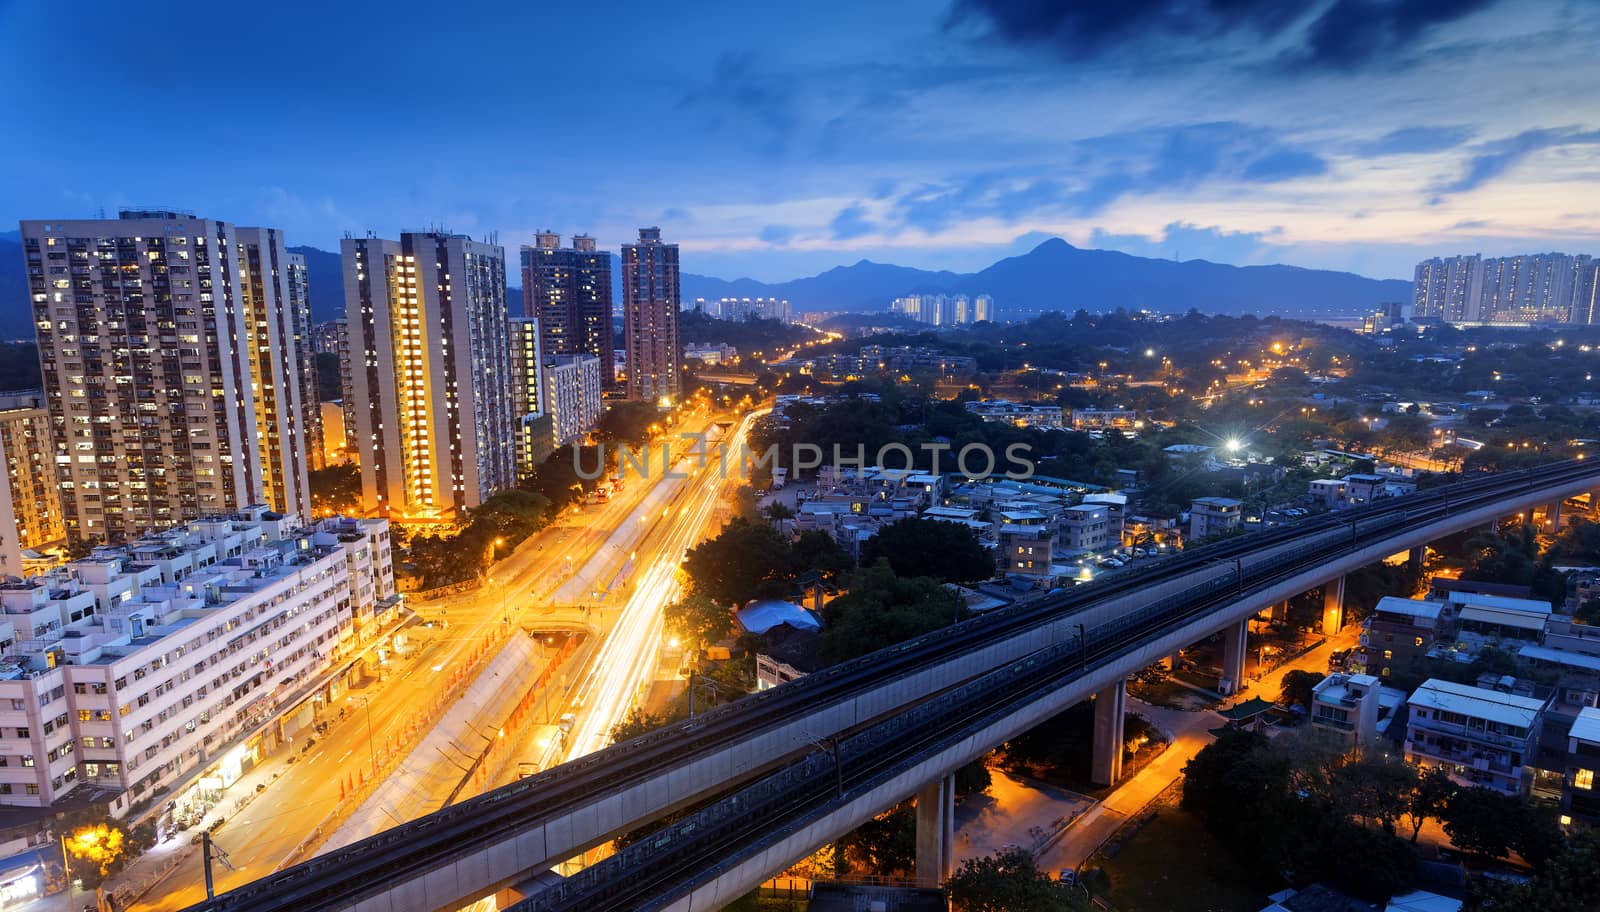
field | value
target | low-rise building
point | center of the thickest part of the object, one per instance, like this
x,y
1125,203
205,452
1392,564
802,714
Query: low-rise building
x,y
1102,419
1329,492
1398,635
1346,708
1210,516
1086,527
1116,512
1480,736
1026,550
1489,619
1020,414
1363,489
1580,802
139,667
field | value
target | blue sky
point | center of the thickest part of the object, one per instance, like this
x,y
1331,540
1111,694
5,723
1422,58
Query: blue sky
x,y
779,140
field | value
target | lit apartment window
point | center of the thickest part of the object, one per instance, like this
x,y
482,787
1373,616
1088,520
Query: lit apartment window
x,y
1583,779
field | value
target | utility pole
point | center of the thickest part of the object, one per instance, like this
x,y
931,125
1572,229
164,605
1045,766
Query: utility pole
x,y
205,855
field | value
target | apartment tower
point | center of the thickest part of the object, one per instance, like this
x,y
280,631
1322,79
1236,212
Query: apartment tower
x,y
650,316
306,345
568,290
151,329
430,379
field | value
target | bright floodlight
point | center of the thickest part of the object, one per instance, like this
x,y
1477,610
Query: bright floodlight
x,y
1232,445
1149,353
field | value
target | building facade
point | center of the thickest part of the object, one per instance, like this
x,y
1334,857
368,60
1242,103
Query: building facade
x,y
1210,516
30,500
568,290
572,395
1532,288
157,415
132,668
305,333
650,316
431,383
278,372
535,430
1480,736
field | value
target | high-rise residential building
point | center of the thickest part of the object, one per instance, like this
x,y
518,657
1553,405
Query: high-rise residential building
x,y
1533,288
982,309
1586,291
277,373
650,316
431,382
30,500
335,334
167,355
568,290
572,395
754,309
305,345
535,427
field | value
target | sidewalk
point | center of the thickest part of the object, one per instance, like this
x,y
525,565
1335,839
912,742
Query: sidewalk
x,y
1189,733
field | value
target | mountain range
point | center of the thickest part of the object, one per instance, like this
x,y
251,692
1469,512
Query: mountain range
x,y
1052,276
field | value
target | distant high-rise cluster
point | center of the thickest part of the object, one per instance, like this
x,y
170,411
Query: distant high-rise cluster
x,y
435,421
650,316
945,310
748,309
1533,288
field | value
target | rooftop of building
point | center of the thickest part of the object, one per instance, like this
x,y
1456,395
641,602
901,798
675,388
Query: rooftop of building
x,y
1587,726
1576,660
1415,608
1501,603
1477,702
1221,503
1338,688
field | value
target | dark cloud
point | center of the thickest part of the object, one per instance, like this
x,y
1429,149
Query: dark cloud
x,y
676,214
1416,140
1339,35
851,222
1496,158
743,96
777,234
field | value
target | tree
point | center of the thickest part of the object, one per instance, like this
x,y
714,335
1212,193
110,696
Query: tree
x,y
1478,820
778,510
1568,882
926,547
627,422
1375,787
1296,686
100,845
816,550
336,489
733,567
886,844
1008,881
698,620
1427,799
881,609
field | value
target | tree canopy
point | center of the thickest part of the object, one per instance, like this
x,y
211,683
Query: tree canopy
x,y
882,608
926,547
1008,881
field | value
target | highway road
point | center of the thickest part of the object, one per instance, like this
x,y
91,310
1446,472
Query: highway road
x,y
626,661
584,550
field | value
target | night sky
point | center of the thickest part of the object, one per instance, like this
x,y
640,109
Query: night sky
x,y
775,140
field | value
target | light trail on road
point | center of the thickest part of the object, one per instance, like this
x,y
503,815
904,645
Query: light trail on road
x,y
627,659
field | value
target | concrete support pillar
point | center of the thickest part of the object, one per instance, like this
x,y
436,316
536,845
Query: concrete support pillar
x,y
1333,606
1172,662
1278,611
1494,525
1235,643
1416,559
1110,707
936,835
1553,514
